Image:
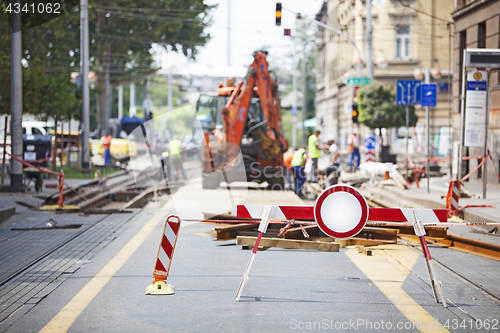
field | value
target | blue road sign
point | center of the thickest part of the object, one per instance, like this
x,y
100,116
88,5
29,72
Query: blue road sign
x,y
408,92
370,142
295,111
429,94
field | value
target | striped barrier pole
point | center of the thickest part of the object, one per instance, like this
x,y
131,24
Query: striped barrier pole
x,y
264,223
418,226
164,258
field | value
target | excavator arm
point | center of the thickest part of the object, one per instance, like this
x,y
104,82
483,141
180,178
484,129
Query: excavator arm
x,y
268,133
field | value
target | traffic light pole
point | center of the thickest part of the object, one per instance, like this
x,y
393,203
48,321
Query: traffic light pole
x,y
358,71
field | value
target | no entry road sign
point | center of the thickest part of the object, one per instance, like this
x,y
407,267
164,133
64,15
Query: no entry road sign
x,y
341,211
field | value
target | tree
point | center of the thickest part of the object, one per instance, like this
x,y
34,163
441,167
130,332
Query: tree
x,y
122,33
32,86
377,108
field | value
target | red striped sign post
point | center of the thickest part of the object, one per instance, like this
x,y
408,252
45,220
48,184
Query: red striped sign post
x,y
264,223
164,258
370,155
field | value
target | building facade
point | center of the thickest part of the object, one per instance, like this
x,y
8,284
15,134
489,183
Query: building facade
x,y
408,36
477,25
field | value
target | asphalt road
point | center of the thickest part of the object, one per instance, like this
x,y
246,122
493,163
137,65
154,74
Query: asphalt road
x,y
288,290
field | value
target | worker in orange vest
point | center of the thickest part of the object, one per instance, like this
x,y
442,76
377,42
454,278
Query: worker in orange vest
x,y
106,144
353,141
287,167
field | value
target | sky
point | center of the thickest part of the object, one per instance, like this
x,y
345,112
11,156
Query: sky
x,y
252,27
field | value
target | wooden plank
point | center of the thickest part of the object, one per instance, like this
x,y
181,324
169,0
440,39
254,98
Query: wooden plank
x,y
364,250
288,243
399,180
362,241
230,232
438,232
376,233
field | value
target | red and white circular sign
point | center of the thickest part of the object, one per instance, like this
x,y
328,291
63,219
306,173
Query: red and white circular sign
x,y
341,211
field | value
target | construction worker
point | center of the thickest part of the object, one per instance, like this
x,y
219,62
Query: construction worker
x,y
175,156
299,175
334,152
287,166
106,144
353,142
314,154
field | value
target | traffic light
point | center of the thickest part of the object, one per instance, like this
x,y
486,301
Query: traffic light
x,y
355,113
278,13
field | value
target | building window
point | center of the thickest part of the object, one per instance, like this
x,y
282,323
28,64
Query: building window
x,y
481,35
402,41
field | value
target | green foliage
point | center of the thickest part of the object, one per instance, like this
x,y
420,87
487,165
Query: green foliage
x,y
57,99
377,108
121,34
43,96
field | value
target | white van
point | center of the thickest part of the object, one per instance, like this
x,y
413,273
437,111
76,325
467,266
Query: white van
x,y
34,128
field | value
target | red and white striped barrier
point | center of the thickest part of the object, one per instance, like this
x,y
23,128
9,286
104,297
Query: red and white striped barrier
x,y
452,198
164,258
342,212
375,214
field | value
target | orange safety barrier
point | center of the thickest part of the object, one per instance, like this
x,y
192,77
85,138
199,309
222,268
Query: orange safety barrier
x,y
60,184
453,196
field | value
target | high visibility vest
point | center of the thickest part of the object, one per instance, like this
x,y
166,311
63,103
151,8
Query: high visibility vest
x,y
298,158
175,148
313,151
287,159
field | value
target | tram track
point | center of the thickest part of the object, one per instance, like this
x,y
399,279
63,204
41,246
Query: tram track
x,y
456,243
133,193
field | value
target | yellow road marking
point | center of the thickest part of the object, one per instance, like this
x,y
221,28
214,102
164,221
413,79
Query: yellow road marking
x,y
388,274
67,316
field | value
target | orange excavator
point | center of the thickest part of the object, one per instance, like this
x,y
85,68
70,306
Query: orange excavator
x,y
250,123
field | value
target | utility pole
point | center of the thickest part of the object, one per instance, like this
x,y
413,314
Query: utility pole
x,y
131,111
16,175
107,93
120,101
294,105
228,33
84,55
170,96
369,38
303,142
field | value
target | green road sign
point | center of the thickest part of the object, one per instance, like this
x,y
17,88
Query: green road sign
x,y
358,81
